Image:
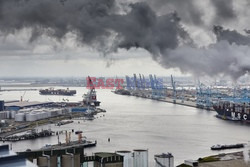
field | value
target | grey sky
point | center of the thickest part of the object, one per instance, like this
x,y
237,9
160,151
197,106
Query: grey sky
x,y
108,37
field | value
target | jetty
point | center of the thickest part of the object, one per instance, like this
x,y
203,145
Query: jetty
x,y
28,136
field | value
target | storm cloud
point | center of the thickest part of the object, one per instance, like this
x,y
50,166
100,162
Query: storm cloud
x,y
232,36
224,10
94,22
109,25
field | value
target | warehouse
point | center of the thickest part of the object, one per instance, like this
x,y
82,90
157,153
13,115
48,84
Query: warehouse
x,y
25,104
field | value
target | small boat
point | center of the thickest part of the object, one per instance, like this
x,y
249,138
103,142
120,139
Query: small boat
x,y
90,118
63,123
78,132
222,147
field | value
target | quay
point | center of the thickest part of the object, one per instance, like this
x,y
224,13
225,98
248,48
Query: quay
x,y
29,136
170,100
9,90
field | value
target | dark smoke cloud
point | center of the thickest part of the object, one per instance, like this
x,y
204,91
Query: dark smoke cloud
x,y
192,12
94,22
188,10
56,18
215,60
247,31
102,24
232,36
224,10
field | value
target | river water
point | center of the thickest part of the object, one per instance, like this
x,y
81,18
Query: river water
x,y
137,123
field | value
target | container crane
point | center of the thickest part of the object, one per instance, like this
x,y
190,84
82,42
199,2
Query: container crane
x,y
90,97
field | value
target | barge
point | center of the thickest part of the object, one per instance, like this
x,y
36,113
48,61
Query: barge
x,y
222,147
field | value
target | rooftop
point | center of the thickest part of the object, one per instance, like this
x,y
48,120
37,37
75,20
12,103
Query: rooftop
x,y
26,103
164,155
106,154
9,158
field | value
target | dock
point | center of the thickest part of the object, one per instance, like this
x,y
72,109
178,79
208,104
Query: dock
x,y
9,90
29,136
171,100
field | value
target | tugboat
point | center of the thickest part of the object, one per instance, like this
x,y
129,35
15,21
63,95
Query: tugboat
x,y
52,91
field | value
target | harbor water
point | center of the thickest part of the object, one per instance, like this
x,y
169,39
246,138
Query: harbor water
x,y
136,123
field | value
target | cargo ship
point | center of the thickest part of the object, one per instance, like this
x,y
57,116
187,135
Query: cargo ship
x,y
51,91
233,109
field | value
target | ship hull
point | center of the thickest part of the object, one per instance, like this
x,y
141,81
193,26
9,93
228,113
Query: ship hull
x,y
63,92
232,115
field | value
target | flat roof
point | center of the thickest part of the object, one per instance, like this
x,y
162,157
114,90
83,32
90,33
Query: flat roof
x,y
26,103
9,158
106,154
164,155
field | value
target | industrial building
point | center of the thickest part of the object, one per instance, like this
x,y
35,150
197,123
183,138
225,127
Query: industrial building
x,y
127,158
29,111
33,114
108,160
1,105
140,158
9,158
166,160
17,105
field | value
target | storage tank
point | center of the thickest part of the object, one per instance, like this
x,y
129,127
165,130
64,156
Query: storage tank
x,y
48,114
20,117
44,115
54,113
140,158
13,114
1,105
163,159
68,160
43,161
3,115
38,116
31,117
8,114
127,158
60,112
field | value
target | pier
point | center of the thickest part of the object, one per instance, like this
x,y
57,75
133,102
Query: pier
x,y
8,90
29,136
